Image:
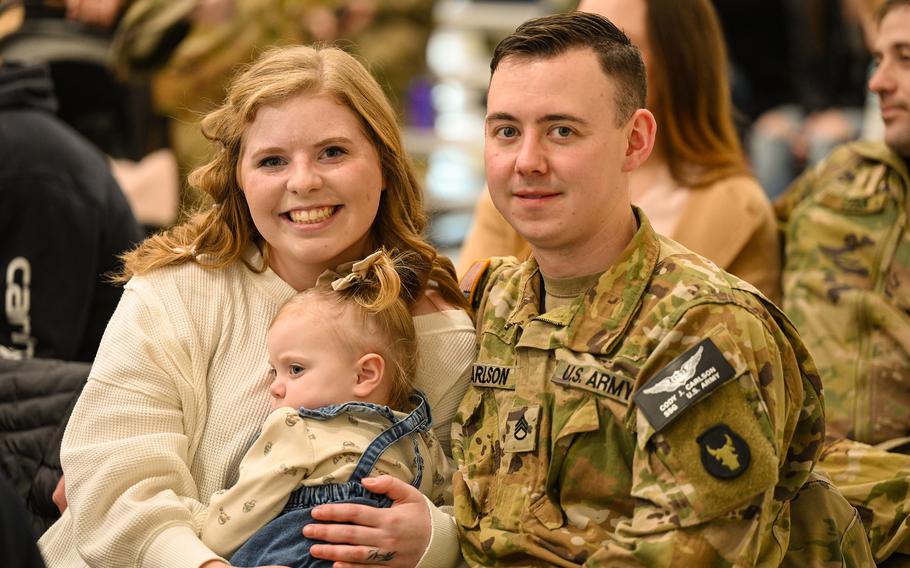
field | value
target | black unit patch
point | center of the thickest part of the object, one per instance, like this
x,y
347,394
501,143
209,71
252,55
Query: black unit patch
x,y
594,379
686,380
493,376
724,453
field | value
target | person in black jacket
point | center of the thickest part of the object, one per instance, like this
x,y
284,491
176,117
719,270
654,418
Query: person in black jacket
x,y
16,541
63,221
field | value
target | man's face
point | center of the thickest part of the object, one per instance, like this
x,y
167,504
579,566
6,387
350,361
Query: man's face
x,y
554,155
891,80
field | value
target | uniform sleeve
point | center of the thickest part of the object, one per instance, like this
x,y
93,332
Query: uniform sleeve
x,y
490,235
271,469
710,485
125,453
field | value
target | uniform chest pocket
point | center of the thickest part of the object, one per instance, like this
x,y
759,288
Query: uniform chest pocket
x,y
588,444
864,194
478,452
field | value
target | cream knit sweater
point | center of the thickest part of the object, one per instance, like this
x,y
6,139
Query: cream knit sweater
x,y
176,395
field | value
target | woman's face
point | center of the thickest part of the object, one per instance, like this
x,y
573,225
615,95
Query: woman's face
x,y
631,17
312,181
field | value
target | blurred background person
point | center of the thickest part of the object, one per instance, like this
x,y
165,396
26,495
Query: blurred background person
x,y
63,223
828,65
696,186
189,49
73,39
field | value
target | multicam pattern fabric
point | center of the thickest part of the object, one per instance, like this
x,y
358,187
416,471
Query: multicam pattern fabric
x,y
825,530
877,483
555,471
847,286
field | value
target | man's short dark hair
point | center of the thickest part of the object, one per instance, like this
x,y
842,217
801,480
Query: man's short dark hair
x,y
551,36
888,6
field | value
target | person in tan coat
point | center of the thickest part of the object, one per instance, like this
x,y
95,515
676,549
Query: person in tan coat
x,y
696,187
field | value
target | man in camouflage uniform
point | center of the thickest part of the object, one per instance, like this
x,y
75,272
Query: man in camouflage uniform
x,y
847,288
631,404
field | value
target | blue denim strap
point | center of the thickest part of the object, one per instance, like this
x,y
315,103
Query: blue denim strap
x,y
419,420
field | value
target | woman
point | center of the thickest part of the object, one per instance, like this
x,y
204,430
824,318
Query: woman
x,y
695,187
310,175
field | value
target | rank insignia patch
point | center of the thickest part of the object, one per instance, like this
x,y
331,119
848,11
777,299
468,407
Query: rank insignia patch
x,y
683,382
724,453
521,429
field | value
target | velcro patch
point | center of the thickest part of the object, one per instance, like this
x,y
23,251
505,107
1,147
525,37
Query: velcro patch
x,y
593,379
493,376
521,429
724,453
686,380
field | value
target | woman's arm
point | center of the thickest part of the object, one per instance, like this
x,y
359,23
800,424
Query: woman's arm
x,y
127,447
410,533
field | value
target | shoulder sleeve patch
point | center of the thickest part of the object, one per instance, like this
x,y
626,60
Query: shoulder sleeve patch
x,y
470,283
683,382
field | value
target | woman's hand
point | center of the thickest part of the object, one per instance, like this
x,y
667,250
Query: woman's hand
x,y
59,495
397,536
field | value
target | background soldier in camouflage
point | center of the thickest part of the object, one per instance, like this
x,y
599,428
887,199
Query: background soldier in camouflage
x,y
847,288
631,404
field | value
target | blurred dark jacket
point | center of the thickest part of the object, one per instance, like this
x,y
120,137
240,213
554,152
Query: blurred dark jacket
x,y
36,397
63,221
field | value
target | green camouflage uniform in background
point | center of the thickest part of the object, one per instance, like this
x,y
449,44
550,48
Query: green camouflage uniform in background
x,y
190,76
558,463
847,288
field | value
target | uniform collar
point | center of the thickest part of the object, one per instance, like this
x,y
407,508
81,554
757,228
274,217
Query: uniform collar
x,y
879,152
593,322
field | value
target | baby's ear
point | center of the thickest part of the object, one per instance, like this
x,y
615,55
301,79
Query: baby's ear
x,y
370,369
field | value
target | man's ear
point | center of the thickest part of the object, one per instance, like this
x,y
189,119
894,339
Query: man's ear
x,y
370,370
642,131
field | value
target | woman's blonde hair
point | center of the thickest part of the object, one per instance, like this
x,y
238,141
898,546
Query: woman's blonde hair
x,y
219,236
379,296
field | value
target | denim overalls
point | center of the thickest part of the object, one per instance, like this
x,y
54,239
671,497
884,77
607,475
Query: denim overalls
x,y
281,541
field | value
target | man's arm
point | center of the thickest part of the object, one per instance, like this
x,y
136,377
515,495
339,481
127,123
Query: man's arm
x,y
710,486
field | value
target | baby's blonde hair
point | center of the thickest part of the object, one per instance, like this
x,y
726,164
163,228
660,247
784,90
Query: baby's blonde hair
x,y
380,297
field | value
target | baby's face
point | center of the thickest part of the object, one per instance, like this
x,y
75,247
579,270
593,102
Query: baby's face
x,y
311,367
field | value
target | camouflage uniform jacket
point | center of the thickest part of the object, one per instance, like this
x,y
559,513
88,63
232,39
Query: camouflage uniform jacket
x,y
558,462
847,286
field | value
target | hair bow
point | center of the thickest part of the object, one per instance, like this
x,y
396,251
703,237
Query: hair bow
x,y
359,272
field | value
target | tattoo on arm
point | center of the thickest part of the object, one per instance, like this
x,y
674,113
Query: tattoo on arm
x,y
377,555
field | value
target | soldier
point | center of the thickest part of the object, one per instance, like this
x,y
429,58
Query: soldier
x,y
847,288
631,404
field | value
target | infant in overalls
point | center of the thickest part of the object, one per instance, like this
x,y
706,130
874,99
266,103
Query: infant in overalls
x,y
343,408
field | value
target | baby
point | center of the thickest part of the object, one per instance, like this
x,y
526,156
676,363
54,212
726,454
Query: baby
x,y
343,408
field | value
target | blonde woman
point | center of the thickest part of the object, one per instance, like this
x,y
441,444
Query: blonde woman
x,y
310,175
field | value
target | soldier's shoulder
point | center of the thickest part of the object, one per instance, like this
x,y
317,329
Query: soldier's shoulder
x,y
484,274
846,160
682,277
